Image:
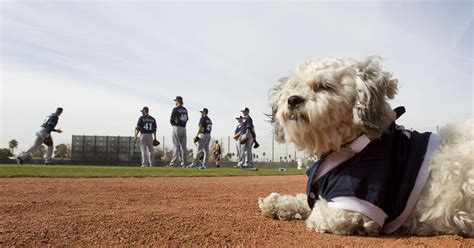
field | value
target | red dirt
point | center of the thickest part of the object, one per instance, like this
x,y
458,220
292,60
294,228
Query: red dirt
x,y
215,211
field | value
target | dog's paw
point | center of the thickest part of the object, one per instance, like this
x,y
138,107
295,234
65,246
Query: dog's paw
x,y
267,205
284,207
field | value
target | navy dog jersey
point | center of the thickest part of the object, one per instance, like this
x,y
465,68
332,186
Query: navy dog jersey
x,y
382,175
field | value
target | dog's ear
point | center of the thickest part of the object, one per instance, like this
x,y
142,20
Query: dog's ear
x,y
275,94
374,87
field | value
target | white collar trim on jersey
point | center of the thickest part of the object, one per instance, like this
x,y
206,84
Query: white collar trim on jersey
x,y
345,153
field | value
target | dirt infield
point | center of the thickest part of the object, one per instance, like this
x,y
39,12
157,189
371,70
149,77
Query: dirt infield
x,y
192,211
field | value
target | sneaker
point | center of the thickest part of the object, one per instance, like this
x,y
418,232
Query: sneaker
x,y
48,163
256,145
19,160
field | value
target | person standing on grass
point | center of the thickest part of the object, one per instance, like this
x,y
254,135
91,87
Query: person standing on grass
x,y
146,126
179,118
217,152
203,138
236,136
248,129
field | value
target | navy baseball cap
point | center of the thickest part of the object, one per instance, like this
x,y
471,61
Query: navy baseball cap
x,y
204,110
245,110
239,117
178,98
59,109
144,109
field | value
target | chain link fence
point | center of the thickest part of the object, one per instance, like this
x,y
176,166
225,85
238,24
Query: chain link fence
x,y
89,149
123,149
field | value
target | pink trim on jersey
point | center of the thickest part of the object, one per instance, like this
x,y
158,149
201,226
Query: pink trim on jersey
x,y
420,182
358,205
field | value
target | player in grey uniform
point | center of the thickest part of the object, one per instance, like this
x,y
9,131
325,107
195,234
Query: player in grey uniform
x,y
247,127
146,126
179,118
47,127
204,138
238,146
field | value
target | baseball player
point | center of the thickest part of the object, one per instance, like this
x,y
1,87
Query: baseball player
x,y
217,152
246,153
179,118
44,134
146,126
238,146
203,138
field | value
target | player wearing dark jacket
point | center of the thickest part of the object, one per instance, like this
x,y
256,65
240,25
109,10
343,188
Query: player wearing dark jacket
x,y
44,135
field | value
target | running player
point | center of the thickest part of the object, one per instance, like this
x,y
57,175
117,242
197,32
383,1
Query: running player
x,y
47,127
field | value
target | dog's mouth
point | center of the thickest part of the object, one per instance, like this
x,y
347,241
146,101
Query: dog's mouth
x,y
296,116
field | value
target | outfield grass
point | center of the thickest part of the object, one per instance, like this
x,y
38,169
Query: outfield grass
x,y
79,171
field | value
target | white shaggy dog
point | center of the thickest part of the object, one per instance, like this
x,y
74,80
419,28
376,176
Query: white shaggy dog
x,y
337,109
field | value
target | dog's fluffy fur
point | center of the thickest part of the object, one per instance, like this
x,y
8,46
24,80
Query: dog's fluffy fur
x,y
343,99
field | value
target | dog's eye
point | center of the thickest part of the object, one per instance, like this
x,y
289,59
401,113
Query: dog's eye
x,y
322,85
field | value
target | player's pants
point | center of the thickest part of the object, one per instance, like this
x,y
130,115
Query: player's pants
x,y
180,149
40,136
146,147
203,146
246,153
238,149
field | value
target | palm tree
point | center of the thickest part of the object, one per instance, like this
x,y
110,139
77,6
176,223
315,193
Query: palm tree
x,y
62,151
13,144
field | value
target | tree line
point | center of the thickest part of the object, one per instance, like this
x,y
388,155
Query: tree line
x,y
61,151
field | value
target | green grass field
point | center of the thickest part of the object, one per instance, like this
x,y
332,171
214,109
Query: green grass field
x,y
79,171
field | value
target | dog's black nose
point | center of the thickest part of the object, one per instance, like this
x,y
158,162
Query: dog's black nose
x,y
294,101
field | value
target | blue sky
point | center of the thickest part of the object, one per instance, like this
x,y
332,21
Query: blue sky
x,y
103,61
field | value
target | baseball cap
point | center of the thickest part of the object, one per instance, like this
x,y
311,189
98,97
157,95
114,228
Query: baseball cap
x,y
59,109
239,117
178,98
205,110
245,110
144,109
